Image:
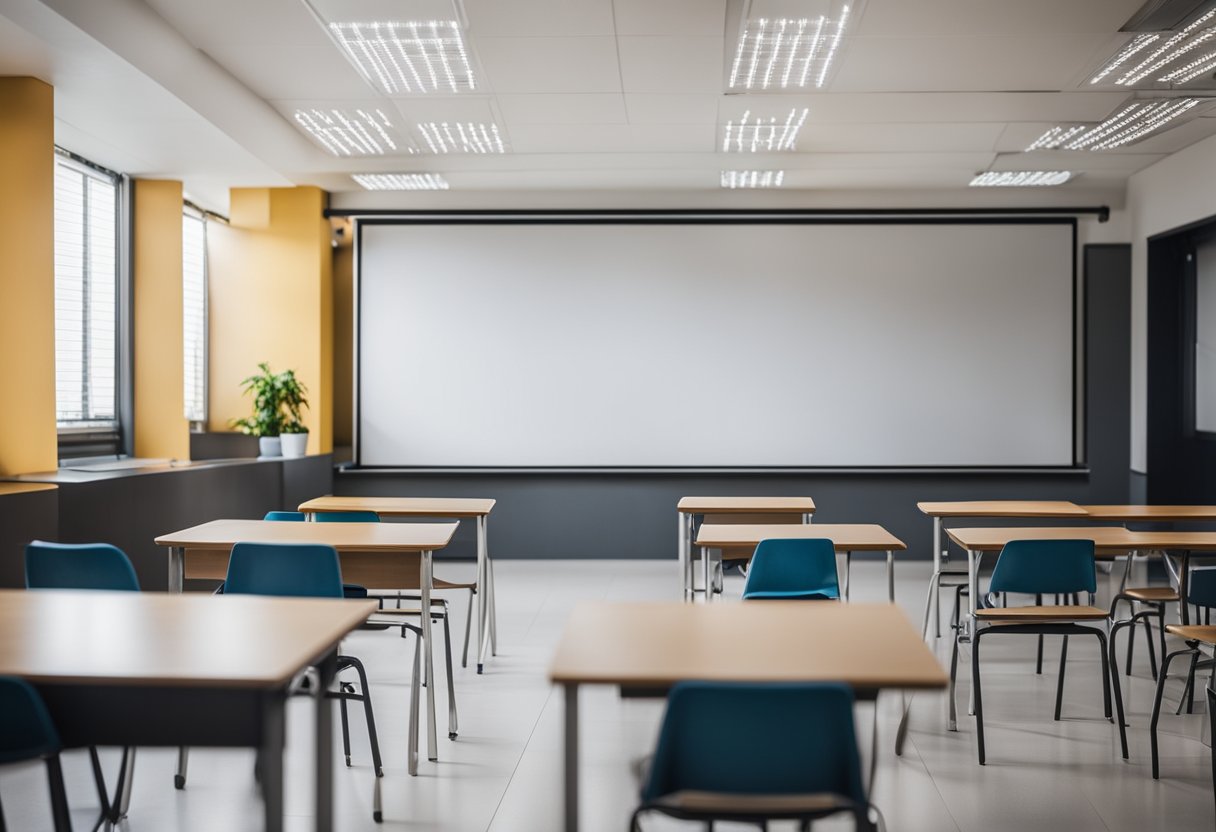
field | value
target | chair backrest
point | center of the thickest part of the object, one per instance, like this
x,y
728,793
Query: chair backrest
x,y
1045,566
285,516
1201,587
749,738
26,730
301,570
78,566
347,517
793,568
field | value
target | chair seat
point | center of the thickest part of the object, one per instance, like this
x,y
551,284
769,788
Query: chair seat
x,y
1159,594
1193,632
721,804
1041,614
824,594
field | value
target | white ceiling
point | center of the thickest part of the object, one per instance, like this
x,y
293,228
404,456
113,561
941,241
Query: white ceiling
x,y
589,94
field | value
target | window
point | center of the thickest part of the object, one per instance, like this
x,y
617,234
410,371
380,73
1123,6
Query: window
x,y
1205,337
194,313
86,299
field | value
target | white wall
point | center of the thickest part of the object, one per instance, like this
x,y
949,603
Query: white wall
x,y
1178,190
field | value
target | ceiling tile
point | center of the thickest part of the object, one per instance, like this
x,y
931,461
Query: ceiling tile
x,y
563,108
539,18
985,17
613,138
670,17
555,64
659,108
929,107
283,71
885,138
672,64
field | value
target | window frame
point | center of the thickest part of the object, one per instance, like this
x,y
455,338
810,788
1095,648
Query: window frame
x,y
115,440
189,209
1190,335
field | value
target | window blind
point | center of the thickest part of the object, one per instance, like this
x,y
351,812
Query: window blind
x,y
86,295
194,315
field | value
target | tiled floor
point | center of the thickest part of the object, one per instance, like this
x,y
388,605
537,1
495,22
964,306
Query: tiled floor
x,y
504,771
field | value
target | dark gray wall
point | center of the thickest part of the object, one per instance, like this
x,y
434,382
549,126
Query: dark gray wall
x,y
632,515
130,509
24,517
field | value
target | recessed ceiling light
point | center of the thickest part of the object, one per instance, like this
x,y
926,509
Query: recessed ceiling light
x,y
1020,178
356,132
786,52
408,57
1172,60
752,178
1132,123
462,137
755,135
401,181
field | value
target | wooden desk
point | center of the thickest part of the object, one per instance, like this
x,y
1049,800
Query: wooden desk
x,y
1187,543
651,646
688,509
370,554
150,669
456,508
846,538
7,488
1152,514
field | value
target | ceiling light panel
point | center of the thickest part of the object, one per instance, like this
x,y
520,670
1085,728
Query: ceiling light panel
x,y
356,131
1020,178
752,178
755,135
1133,122
402,57
1173,58
776,52
401,181
462,137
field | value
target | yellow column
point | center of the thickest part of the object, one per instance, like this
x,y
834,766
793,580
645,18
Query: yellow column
x,y
271,299
161,429
28,441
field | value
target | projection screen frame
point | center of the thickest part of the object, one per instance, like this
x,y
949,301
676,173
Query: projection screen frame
x,y
1027,216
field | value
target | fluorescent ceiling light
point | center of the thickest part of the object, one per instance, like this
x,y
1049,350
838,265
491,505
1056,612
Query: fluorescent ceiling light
x,y
408,57
785,52
462,137
358,132
1164,57
755,135
1020,178
752,178
1131,124
401,181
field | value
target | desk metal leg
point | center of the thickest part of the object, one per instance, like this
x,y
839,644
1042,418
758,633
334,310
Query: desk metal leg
x,y
891,576
874,746
706,574
483,594
122,791
432,738
270,762
177,580
935,597
807,517
848,573
324,741
571,785
973,593
1184,590
682,554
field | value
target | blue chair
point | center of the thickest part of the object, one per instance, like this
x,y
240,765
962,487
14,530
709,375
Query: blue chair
x,y
750,753
91,566
304,570
27,733
1043,567
791,569
78,566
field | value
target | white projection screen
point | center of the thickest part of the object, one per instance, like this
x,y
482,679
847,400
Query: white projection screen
x,y
693,344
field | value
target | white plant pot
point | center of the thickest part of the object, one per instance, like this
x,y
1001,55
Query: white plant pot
x,y
294,444
269,446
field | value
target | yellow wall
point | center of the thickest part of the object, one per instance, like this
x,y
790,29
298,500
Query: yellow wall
x,y
271,299
28,440
161,429
344,342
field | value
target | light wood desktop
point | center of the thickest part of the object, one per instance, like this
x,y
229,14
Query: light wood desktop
x,y
459,508
846,538
376,555
1151,514
731,510
651,646
121,668
7,488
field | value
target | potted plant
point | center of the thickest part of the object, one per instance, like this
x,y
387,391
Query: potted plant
x,y
294,439
278,399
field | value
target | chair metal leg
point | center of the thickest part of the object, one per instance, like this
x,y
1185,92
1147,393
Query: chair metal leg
x,y
343,689
59,795
1212,729
1148,639
447,649
493,606
415,707
1131,641
1060,682
952,725
183,761
975,692
1105,678
468,627
1112,673
1189,693
99,779
1038,656
122,792
1152,725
